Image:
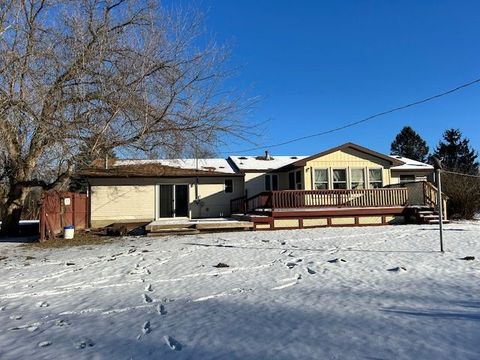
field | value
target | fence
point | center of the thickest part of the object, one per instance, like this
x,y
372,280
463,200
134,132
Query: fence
x,y
60,209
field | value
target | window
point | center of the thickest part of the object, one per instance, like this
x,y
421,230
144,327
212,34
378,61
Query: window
x,y
339,178
358,179
291,180
321,179
298,180
271,182
375,178
228,185
406,178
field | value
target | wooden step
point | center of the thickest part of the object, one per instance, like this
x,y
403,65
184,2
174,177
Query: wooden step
x,y
224,225
174,231
436,222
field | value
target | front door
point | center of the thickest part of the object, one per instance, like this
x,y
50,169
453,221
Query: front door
x,y
173,201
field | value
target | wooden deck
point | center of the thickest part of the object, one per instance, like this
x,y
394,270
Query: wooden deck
x,y
288,209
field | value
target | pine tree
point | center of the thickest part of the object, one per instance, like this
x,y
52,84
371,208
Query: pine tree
x,y
409,144
456,153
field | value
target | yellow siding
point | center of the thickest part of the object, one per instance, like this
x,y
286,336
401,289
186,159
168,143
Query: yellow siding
x,y
345,159
314,222
369,220
286,223
254,183
214,202
343,221
122,202
262,226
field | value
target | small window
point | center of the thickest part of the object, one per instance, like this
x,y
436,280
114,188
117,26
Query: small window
x,y
291,180
271,182
274,182
298,180
321,179
228,185
339,178
358,179
406,178
375,178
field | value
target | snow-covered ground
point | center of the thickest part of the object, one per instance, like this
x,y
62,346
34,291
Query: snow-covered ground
x,y
285,295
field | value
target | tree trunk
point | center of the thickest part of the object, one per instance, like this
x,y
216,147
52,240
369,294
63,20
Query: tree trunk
x,y
13,210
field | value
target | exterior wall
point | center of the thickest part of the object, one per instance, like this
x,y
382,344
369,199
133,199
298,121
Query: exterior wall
x,y
214,202
254,183
345,159
130,200
420,175
111,204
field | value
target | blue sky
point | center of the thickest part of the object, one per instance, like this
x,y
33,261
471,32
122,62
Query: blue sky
x,y
322,64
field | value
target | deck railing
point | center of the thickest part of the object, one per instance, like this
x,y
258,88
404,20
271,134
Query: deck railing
x,y
290,199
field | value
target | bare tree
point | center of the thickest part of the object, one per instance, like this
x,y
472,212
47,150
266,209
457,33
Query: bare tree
x,y
80,78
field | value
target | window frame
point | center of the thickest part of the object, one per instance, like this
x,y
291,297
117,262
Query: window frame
x,y
225,186
327,182
268,180
340,182
407,181
364,182
370,182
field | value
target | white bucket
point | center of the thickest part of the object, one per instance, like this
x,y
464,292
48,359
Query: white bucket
x,y
68,232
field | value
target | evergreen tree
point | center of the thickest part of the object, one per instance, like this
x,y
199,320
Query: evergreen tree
x,y
410,145
456,153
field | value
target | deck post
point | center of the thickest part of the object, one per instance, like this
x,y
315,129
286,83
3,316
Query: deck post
x,y
438,169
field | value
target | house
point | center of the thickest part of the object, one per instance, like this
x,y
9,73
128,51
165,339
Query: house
x,y
345,185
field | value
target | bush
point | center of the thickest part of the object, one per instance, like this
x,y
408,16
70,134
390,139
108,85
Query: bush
x,y
463,195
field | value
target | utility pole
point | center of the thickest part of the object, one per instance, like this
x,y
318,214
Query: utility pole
x,y
438,169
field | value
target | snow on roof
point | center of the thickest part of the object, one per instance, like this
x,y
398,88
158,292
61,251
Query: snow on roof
x,y
218,165
410,164
257,163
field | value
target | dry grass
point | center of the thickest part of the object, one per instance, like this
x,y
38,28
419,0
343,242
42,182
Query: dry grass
x,y
80,239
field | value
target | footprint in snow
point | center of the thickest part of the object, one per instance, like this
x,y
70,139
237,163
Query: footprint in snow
x,y
83,343
172,343
161,309
291,265
44,343
398,269
334,261
149,287
147,298
311,271
43,304
146,328
16,317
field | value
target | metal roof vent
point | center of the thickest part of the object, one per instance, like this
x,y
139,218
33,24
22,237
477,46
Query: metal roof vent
x,y
266,157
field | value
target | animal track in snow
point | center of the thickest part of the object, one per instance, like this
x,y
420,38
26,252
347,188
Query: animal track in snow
x,y
149,287
16,317
147,298
43,304
44,343
311,271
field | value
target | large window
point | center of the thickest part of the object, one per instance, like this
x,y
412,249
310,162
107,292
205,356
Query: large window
x,y
271,182
321,179
375,178
358,178
339,178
